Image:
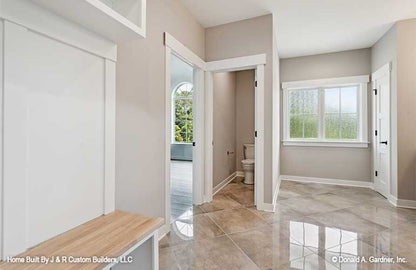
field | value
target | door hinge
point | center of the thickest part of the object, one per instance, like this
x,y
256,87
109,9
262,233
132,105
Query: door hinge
x,y
376,173
255,133
375,133
375,91
255,83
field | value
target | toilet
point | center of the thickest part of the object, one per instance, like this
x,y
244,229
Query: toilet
x,y
248,164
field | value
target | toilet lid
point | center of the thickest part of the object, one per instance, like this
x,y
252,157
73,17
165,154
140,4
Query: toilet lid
x,y
247,161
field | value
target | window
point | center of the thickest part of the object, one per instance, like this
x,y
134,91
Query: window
x,y
331,112
183,115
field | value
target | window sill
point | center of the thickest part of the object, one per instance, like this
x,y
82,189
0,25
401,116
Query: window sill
x,y
181,143
349,144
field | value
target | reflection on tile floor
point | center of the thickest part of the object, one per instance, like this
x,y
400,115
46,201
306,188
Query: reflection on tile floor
x,y
313,227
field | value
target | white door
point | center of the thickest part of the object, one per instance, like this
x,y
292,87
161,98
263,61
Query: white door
x,y
381,135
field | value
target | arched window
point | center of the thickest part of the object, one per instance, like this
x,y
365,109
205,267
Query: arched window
x,y
183,115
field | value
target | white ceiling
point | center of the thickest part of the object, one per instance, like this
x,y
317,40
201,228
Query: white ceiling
x,y
307,27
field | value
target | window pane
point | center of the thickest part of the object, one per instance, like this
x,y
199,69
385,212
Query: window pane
x,y
295,99
349,99
349,124
332,100
304,107
332,125
310,101
296,126
311,125
341,113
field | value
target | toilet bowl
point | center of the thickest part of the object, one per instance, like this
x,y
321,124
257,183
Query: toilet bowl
x,y
248,164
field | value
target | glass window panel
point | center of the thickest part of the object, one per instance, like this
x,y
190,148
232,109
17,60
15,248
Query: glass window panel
x,y
349,99
311,124
332,100
296,126
310,101
332,126
295,100
349,125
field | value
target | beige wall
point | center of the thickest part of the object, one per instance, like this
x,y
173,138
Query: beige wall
x,y
383,52
327,162
140,118
224,123
243,38
244,111
406,109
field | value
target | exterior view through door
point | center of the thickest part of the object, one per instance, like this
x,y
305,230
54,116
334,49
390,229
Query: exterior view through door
x,y
182,87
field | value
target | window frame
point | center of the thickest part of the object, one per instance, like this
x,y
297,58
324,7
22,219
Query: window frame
x,y
173,114
321,84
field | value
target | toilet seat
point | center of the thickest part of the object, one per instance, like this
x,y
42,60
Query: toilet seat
x,y
247,161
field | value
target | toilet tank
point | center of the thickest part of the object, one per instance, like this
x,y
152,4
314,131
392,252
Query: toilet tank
x,y
249,151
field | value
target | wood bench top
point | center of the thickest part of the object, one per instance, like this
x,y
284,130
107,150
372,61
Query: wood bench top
x,y
110,236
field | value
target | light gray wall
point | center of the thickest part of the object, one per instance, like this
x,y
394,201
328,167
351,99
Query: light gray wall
x,y
140,113
243,38
181,72
224,125
244,112
406,108
327,162
383,52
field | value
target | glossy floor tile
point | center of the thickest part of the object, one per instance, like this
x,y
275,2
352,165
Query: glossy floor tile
x,y
314,227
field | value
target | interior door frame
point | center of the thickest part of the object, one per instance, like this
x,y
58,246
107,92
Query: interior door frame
x,y
256,62
174,47
383,71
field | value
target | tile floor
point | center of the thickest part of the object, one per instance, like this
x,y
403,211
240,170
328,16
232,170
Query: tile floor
x,y
312,225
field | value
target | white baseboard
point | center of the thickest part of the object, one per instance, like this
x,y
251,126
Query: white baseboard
x,y
392,199
402,203
240,173
224,182
328,181
271,207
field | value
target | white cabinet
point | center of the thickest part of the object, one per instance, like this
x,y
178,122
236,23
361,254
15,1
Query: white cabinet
x,y
116,20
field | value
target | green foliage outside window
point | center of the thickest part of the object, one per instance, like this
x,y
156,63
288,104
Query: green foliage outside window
x,y
183,113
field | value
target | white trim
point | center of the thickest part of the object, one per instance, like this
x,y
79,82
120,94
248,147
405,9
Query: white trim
x,y
184,53
350,144
163,231
381,71
327,82
224,182
362,92
198,155
329,181
110,137
259,139
168,130
237,64
209,135
411,204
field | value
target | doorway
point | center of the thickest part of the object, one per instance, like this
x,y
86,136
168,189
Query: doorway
x,y
184,114
256,63
181,165
381,127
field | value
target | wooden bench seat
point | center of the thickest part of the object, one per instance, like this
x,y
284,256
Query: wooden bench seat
x,y
111,236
